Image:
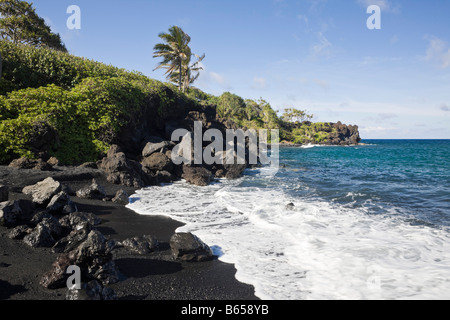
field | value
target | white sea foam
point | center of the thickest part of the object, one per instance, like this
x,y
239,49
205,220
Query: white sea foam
x,y
314,250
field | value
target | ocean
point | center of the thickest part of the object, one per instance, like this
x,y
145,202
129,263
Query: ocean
x,y
332,223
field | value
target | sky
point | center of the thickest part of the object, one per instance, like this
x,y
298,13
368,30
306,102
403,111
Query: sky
x,y
314,55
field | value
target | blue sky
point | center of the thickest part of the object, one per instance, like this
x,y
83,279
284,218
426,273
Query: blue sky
x,y
316,55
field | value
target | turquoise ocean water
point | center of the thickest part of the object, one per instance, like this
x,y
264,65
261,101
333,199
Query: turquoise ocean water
x,y
410,178
359,222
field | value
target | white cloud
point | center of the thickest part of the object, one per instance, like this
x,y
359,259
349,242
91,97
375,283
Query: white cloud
x,y
283,61
439,52
374,129
210,79
322,47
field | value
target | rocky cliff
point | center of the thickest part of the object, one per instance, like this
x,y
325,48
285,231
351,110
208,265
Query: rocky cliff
x,y
324,133
344,134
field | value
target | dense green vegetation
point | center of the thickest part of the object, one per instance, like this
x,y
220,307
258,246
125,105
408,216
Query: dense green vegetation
x,y
27,67
306,132
87,103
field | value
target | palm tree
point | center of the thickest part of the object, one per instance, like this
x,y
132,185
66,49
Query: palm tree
x,y
174,52
176,55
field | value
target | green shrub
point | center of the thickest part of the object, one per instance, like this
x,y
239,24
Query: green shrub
x,y
14,135
87,118
321,137
29,67
86,102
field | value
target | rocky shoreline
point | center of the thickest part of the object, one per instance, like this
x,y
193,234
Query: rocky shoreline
x,y
53,219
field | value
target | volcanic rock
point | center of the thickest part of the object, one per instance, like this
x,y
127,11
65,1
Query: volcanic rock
x,y
187,247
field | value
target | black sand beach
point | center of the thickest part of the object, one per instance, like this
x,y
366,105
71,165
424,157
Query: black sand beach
x,y
155,276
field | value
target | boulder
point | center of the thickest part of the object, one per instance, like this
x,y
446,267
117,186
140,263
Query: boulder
x,y
53,161
234,171
157,162
106,273
38,217
163,177
141,245
132,176
25,163
93,191
91,291
61,204
114,149
95,253
114,162
4,193
95,245
290,206
19,232
94,258
42,192
11,214
220,173
53,225
187,247
74,239
121,197
40,237
77,220
151,148
120,170
57,277
231,170
199,176
42,165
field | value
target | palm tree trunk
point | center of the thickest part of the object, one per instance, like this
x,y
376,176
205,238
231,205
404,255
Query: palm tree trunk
x,y
180,76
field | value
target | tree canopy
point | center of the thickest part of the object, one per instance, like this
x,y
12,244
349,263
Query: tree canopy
x,y
19,23
294,115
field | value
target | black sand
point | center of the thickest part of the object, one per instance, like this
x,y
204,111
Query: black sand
x,y
156,276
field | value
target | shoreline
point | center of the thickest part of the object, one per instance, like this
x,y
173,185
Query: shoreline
x,y
154,276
